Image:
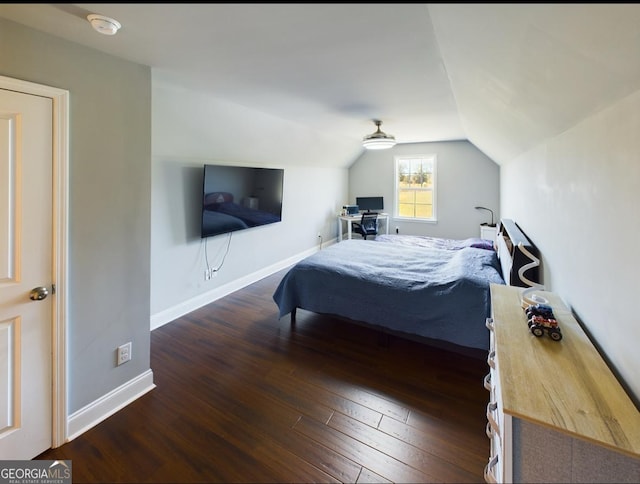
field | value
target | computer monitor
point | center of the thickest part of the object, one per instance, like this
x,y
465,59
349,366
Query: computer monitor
x,y
370,204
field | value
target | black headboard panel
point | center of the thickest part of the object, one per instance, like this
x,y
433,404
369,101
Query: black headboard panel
x,y
519,258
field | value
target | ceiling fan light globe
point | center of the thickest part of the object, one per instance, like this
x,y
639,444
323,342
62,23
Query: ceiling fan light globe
x,y
378,143
378,140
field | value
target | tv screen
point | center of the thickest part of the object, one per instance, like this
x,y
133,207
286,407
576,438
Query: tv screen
x,y
240,197
369,204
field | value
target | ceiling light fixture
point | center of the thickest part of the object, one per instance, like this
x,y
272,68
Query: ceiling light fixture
x,y
378,140
104,25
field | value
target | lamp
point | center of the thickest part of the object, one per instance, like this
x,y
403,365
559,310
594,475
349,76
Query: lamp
x,y
104,25
485,208
378,140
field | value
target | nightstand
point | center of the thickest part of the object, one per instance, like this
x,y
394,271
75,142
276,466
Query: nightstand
x,y
488,232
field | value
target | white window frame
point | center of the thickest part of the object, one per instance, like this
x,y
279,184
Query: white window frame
x,y
397,159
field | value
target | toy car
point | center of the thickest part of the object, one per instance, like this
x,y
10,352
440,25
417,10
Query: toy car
x,y
539,324
543,310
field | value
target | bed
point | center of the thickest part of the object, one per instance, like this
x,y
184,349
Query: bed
x,y
415,287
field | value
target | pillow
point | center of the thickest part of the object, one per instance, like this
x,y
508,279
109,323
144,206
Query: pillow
x,y
217,197
482,244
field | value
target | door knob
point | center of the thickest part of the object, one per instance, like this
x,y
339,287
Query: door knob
x,y
38,293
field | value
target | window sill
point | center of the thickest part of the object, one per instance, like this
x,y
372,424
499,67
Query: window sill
x,y
416,220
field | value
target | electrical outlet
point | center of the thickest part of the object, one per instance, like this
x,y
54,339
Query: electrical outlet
x,y
209,273
124,353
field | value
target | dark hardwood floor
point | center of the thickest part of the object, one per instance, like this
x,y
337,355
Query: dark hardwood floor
x,y
243,397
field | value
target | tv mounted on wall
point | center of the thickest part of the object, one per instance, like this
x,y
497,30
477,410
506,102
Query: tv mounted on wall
x,y
240,197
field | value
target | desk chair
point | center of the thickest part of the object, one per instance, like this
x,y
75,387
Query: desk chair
x,y
368,225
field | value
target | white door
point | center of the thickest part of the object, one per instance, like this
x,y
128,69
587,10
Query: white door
x,y
26,152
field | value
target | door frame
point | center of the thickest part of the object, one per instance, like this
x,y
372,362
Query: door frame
x,y
59,271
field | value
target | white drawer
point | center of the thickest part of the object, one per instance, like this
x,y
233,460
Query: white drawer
x,y
487,382
492,343
493,472
493,417
493,469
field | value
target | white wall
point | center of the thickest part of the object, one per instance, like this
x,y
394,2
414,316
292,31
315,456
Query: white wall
x,y
577,197
466,178
109,192
191,129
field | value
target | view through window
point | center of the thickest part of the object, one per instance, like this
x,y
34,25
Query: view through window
x,y
416,187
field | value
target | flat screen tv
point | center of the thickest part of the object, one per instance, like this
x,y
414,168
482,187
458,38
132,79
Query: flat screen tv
x,y
370,204
239,198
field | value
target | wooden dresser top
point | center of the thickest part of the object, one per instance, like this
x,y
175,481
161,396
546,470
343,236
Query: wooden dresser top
x,y
563,384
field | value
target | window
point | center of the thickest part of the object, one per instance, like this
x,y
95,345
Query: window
x,y
416,187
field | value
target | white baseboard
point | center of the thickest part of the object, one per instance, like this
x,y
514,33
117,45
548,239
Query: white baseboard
x,y
105,406
170,314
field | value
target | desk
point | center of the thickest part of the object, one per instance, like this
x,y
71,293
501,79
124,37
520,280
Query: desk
x,y
349,219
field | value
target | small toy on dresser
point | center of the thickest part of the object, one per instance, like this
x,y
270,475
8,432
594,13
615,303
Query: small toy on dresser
x,y
540,318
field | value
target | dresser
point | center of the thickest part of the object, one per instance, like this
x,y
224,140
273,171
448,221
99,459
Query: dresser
x,y
556,412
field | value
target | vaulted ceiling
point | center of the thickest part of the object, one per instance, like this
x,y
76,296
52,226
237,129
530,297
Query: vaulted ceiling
x,y
505,77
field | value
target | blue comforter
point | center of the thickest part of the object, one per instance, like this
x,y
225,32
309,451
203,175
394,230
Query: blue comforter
x,y
429,292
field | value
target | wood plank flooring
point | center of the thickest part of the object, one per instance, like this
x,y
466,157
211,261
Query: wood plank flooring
x,y
244,397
